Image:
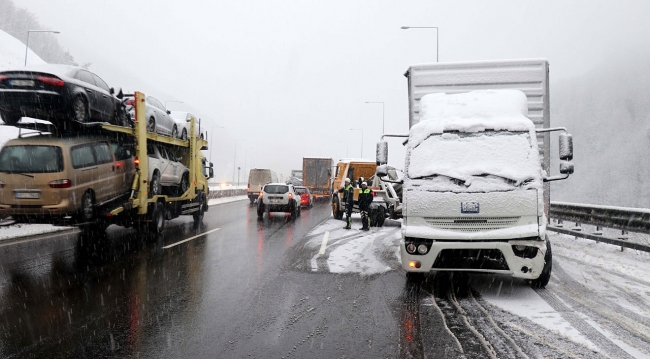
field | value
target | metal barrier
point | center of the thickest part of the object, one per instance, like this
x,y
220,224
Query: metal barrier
x,y
220,193
626,219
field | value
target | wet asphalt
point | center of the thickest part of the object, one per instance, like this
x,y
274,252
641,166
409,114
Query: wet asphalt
x,y
235,292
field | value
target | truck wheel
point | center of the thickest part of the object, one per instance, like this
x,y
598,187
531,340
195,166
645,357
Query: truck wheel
x,y
373,218
545,277
336,209
175,132
157,224
380,216
87,207
198,215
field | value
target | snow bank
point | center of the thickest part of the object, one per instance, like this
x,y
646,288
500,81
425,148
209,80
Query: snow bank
x,y
12,53
27,230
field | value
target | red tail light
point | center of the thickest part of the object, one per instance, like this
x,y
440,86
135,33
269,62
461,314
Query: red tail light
x,y
249,187
64,183
2,184
54,81
373,193
130,102
136,161
3,77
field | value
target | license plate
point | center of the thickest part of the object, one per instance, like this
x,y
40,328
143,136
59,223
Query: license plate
x,y
21,82
275,201
28,195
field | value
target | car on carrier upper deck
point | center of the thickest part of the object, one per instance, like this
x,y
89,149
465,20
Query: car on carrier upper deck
x,y
59,94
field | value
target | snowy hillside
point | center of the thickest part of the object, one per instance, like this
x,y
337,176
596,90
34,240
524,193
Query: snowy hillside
x,y
12,55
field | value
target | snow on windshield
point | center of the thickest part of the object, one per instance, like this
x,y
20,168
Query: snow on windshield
x,y
471,112
510,155
474,136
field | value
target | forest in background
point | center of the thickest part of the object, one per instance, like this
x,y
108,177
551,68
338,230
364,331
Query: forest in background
x,y
16,21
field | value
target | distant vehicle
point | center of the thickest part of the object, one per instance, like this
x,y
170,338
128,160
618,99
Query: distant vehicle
x,y
58,93
46,177
296,178
278,197
182,120
306,199
158,119
317,176
166,170
257,178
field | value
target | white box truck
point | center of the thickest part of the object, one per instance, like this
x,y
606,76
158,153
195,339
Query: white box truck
x,y
475,187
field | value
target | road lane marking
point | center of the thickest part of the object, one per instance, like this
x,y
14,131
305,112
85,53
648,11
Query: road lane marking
x,y
189,239
324,244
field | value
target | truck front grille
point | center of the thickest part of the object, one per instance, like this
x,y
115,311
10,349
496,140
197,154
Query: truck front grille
x,y
473,224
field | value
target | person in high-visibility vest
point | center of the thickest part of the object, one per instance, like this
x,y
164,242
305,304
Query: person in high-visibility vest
x,y
365,199
348,202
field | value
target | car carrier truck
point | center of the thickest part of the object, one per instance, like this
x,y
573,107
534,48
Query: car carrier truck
x,y
137,208
477,169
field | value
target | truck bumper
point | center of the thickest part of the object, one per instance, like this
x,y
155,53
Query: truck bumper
x,y
479,257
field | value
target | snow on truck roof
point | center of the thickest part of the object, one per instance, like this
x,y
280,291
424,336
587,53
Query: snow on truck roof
x,y
473,111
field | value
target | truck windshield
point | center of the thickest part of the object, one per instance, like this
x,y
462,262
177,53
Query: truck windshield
x,y
465,157
31,159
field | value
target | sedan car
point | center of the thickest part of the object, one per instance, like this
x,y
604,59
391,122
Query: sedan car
x,y
167,175
278,197
58,93
306,199
158,119
183,122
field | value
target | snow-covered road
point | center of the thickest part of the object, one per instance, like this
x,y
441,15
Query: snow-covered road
x,y
595,305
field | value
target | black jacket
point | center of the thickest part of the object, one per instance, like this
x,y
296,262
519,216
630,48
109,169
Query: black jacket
x,y
365,199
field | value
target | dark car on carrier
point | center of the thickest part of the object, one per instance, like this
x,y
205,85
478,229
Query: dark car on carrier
x,y
59,94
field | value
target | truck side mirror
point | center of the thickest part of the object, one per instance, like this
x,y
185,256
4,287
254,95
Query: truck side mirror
x,y
211,172
211,165
566,168
566,147
382,153
382,170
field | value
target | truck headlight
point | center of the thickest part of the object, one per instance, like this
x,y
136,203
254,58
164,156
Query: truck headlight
x,y
411,248
423,249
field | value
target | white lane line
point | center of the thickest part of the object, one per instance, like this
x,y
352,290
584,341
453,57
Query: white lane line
x,y
189,239
324,244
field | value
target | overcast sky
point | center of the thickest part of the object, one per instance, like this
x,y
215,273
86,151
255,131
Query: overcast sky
x,y
288,79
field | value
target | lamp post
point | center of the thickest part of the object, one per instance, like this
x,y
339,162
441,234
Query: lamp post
x,y
383,123
27,43
238,176
234,162
359,129
425,27
172,101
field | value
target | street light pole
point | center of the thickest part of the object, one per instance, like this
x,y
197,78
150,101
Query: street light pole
x,y
234,162
359,129
383,122
425,27
27,42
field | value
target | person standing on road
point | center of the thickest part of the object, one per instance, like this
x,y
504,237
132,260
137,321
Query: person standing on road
x,y
348,202
365,199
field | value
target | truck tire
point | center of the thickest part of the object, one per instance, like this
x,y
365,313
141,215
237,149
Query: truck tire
x,y
380,216
336,209
198,215
87,212
157,224
545,277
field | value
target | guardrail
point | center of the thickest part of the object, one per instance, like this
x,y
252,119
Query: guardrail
x,y
228,192
622,218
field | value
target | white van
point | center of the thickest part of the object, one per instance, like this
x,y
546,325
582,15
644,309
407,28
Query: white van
x,y
257,178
